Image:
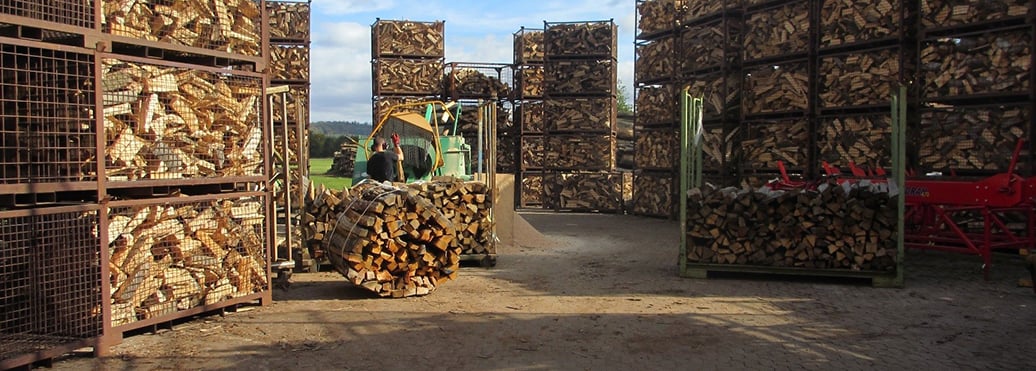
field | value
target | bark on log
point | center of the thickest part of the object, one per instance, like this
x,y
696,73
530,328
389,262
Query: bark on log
x,y
289,63
530,80
408,76
528,46
863,139
580,114
586,152
952,13
657,106
533,152
581,40
653,194
859,79
844,22
995,62
657,16
774,89
408,39
767,142
777,31
231,26
531,115
972,138
580,77
827,229
657,149
590,191
470,83
656,60
710,45
289,20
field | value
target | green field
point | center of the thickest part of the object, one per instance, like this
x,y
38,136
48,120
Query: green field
x,y
318,173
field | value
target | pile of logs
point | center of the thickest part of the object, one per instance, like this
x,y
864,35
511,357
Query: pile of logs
x,y
859,79
625,138
834,227
657,149
777,31
655,60
532,193
657,16
950,13
770,141
408,76
653,194
580,152
173,257
408,39
532,152
466,205
720,91
528,46
580,77
972,138
580,114
771,89
658,106
345,159
996,62
710,45
472,83
531,117
179,123
849,22
862,139
581,39
530,81
289,62
597,191
288,20
231,26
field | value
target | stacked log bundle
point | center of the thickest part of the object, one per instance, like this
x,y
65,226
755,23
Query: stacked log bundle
x,y
507,153
862,139
693,11
531,116
656,60
953,13
289,62
987,63
769,141
590,191
710,45
533,151
721,93
345,159
776,89
528,46
847,228
580,77
580,39
658,106
579,152
530,81
171,122
231,26
859,78
657,16
172,257
532,193
653,194
466,205
580,115
408,76
972,138
473,83
288,20
408,39
781,30
851,22
657,149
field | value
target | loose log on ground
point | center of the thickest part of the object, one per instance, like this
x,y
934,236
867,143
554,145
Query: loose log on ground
x,y
179,123
997,62
528,46
657,106
710,45
581,39
656,60
949,13
530,81
580,77
859,79
720,91
833,228
863,139
590,191
777,31
231,26
532,193
530,113
972,138
289,20
771,89
405,38
533,152
345,158
657,16
657,149
168,258
408,76
767,142
588,152
289,63
653,194
472,83
845,22
581,114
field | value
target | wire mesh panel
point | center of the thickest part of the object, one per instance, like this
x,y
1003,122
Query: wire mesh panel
x,y
174,122
528,46
289,62
288,20
478,80
70,12
391,38
231,26
978,138
173,255
50,294
46,102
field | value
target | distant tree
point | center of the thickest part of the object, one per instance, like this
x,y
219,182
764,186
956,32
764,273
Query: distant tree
x,y
624,103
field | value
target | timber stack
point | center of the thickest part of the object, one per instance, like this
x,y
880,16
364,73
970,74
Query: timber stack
x,y
345,158
408,62
231,26
529,56
474,83
467,206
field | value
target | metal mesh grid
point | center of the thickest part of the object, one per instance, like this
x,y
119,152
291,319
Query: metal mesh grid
x,y
288,20
766,142
71,12
47,131
231,26
170,122
391,38
528,46
173,256
49,286
530,114
656,60
289,62
529,81
478,80
657,106
531,190
975,138
407,76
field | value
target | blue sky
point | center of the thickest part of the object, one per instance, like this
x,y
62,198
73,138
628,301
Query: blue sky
x,y
476,31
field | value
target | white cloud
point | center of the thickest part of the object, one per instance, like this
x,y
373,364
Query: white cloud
x,y
343,7
341,72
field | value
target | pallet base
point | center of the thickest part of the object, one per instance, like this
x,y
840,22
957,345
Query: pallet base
x,y
882,280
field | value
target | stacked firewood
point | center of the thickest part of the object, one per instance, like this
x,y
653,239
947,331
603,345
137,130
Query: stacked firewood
x,y
579,152
833,227
850,22
777,31
658,106
289,62
581,39
226,25
597,191
288,20
996,62
530,81
532,152
655,60
580,77
168,258
859,79
717,147
345,159
408,76
528,46
625,142
469,82
695,10
657,15
298,105
710,45
179,123
466,205
580,114
972,138
653,194
948,13
532,190
468,122
507,153
531,116
781,88
657,149
383,105
768,142
720,92
862,139
404,38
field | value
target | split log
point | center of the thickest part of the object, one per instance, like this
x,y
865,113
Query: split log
x,y
695,10
953,13
657,149
466,205
656,60
408,39
532,152
580,77
721,93
658,106
231,26
972,138
344,159
289,62
171,257
860,79
530,113
529,80
581,39
990,63
774,89
710,45
601,192
532,193
408,76
653,194
472,83
832,228
863,139
297,107
580,114
586,152
845,22
468,123
717,147
766,142
528,46
657,16
288,20
781,30
165,123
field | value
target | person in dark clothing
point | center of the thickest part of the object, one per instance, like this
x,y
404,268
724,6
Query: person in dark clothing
x,y
382,165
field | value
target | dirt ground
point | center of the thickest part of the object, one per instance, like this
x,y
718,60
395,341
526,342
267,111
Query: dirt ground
x,y
602,292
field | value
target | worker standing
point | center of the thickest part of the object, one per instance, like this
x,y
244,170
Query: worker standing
x,y
382,165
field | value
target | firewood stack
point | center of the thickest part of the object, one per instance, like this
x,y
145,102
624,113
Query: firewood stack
x,y
658,106
413,77
973,137
531,117
464,83
656,60
529,56
776,140
408,62
862,139
850,22
721,93
466,205
585,191
834,227
533,151
770,89
408,39
580,115
579,152
528,46
531,193
288,20
580,40
657,149
289,63
345,159
653,194
709,46
657,16
577,77
224,25
777,31
949,13
530,81
986,63
859,79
